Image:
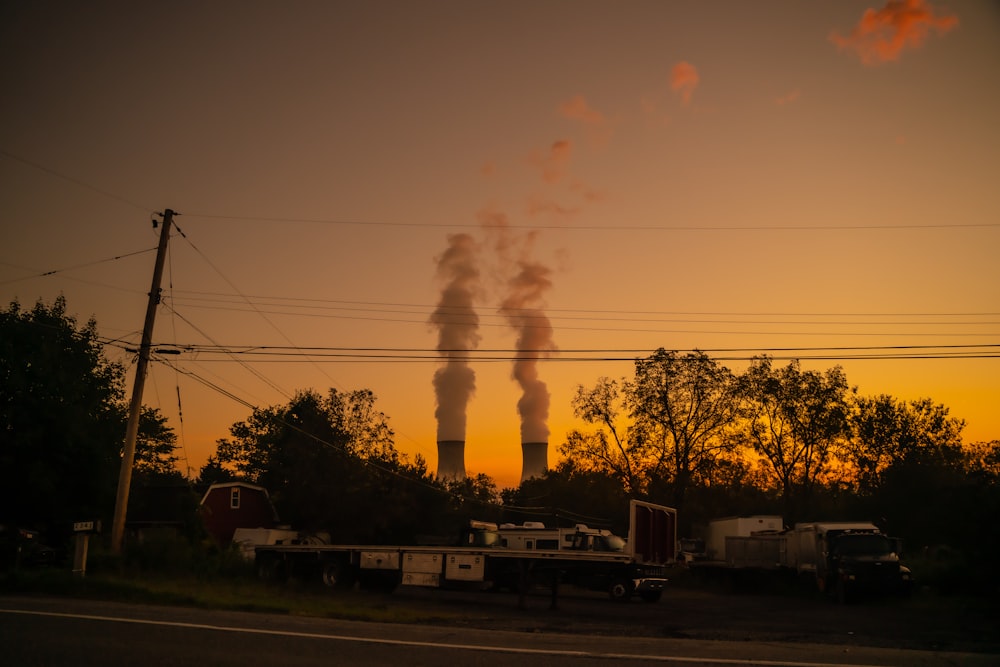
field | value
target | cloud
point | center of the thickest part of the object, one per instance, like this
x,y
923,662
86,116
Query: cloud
x,y
553,162
883,34
787,98
597,125
577,108
684,79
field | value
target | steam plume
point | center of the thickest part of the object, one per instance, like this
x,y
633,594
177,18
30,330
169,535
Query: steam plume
x,y
523,309
458,333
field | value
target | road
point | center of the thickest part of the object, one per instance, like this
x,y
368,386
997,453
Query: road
x,y
54,631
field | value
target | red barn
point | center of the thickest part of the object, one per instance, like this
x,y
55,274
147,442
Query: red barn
x,y
226,507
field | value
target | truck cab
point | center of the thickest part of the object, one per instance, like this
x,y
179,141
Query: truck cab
x,y
857,558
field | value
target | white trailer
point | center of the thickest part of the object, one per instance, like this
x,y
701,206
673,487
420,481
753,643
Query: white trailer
x,y
491,556
720,530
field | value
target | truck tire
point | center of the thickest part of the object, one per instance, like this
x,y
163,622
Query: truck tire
x,y
337,575
620,590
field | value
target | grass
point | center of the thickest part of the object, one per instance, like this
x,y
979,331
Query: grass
x,y
229,593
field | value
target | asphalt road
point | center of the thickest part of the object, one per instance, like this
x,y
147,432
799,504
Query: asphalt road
x,y
54,631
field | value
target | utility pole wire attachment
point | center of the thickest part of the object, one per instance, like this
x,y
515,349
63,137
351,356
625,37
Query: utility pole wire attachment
x,y
135,408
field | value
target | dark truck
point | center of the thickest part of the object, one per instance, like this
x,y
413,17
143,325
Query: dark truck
x,y
848,559
844,559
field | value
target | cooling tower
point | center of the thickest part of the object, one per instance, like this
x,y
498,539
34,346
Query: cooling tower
x,y
451,460
536,459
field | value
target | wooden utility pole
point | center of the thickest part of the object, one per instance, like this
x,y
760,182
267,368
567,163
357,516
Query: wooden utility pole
x,y
135,408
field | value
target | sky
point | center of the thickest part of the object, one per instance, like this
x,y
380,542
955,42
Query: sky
x,y
371,193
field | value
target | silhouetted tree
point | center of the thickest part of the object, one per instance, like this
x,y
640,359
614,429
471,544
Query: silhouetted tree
x,y
614,449
683,405
156,446
889,433
796,420
329,464
61,419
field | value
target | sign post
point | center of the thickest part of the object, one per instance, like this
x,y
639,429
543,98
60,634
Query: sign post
x,y
82,531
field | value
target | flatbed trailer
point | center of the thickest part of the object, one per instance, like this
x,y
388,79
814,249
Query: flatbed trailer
x,y
637,569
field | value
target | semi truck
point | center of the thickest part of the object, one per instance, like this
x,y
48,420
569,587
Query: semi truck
x,y
843,559
498,556
846,559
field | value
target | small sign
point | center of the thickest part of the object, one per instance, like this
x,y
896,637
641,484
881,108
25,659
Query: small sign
x,y
87,527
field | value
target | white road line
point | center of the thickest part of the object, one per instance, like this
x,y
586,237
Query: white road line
x,y
460,647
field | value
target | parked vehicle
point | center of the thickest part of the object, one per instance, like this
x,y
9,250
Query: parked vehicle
x,y
848,558
842,558
505,556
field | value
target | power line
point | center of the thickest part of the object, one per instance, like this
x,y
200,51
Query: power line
x,y
278,354
75,181
53,272
550,314
257,310
617,228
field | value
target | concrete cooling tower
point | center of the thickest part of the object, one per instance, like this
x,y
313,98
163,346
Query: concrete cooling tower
x,y
451,460
536,459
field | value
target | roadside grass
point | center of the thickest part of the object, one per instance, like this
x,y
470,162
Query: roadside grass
x,y
223,593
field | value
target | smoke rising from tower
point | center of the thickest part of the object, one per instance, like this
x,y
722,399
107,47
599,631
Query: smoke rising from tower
x,y
523,309
458,334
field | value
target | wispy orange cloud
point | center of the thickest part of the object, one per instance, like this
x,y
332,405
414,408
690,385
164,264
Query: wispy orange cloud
x,y
684,79
554,161
577,108
597,125
788,98
883,34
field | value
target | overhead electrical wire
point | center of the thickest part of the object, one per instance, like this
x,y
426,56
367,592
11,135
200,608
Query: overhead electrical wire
x,y
74,181
229,297
52,272
258,311
278,354
616,228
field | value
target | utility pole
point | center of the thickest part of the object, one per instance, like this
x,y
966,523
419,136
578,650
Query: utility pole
x,y
135,408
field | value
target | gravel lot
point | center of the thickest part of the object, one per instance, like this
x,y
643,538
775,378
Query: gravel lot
x,y
744,613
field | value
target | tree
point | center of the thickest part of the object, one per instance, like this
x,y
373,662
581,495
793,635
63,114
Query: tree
x,y
683,405
155,447
795,420
327,462
887,433
612,449
61,419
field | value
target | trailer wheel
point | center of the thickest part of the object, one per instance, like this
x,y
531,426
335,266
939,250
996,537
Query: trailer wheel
x,y
337,575
620,590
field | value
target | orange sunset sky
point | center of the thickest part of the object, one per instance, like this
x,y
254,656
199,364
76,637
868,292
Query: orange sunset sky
x,y
817,179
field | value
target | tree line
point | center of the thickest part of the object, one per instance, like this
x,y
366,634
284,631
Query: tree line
x,y
683,430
